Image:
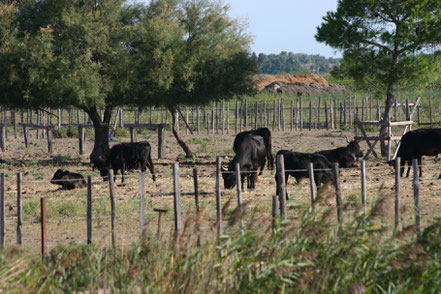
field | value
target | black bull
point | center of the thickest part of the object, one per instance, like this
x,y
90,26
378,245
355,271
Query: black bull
x,y
415,144
251,157
68,180
344,156
127,156
296,165
265,133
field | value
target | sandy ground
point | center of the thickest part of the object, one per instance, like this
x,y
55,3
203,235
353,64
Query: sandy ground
x,y
67,211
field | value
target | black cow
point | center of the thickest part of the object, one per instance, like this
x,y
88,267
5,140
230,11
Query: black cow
x,y
265,133
127,156
415,144
250,156
299,161
68,180
345,156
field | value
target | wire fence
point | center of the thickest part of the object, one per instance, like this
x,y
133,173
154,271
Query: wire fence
x,y
135,214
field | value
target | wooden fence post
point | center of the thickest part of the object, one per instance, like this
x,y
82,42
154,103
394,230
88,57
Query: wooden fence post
x,y
338,194
19,209
416,197
274,115
238,189
275,211
198,119
292,115
2,138
331,114
112,206
50,148
281,185
312,182
310,114
363,185
161,142
141,189
196,189
301,113
14,121
177,197
397,192
2,211
81,143
218,198
43,226
59,122
89,209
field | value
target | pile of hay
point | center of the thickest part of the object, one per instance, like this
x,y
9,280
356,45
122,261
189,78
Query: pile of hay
x,y
300,84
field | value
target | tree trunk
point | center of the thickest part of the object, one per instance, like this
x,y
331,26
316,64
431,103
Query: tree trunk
x,y
383,130
101,127
182,143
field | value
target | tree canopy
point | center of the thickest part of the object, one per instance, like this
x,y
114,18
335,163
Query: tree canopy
x,y
90,54
385,44
290,63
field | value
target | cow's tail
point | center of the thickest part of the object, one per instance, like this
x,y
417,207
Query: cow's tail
x,y
150,166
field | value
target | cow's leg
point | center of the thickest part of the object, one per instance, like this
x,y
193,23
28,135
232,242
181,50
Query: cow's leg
x,y
150,166
253,178
420,163
286,185
409,164
242,180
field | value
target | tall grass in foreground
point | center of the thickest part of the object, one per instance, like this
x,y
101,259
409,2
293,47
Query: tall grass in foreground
x,y
312,255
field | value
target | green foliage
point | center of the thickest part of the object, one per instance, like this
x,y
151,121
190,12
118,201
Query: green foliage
x,y
385,45
190,52
65,132
290,63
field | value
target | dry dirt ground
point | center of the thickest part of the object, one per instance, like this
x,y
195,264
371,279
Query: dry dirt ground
x,y
67,211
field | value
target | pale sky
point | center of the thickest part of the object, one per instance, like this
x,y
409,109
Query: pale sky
x,y
285,25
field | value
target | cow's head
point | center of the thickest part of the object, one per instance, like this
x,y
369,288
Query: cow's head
x,y
229,178
58,176
101,164
355,148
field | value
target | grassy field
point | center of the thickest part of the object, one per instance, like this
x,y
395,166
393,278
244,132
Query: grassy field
x,y
307,253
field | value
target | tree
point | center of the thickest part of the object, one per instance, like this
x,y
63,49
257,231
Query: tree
x,y
103,54
69,53
390,44
190,53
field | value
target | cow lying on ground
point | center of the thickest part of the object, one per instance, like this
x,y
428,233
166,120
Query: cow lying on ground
x,y
344,156
415,144
323,173
126,156
265,133
250,156
68,180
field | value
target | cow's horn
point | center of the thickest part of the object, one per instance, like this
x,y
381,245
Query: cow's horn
x,y
347,139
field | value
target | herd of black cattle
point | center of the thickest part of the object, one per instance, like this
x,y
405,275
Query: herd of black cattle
x,y
252,149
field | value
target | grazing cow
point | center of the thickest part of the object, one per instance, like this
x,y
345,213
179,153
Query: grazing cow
x,y
299,161
265,133
250,156
345,156
127,156
68,180
415,144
